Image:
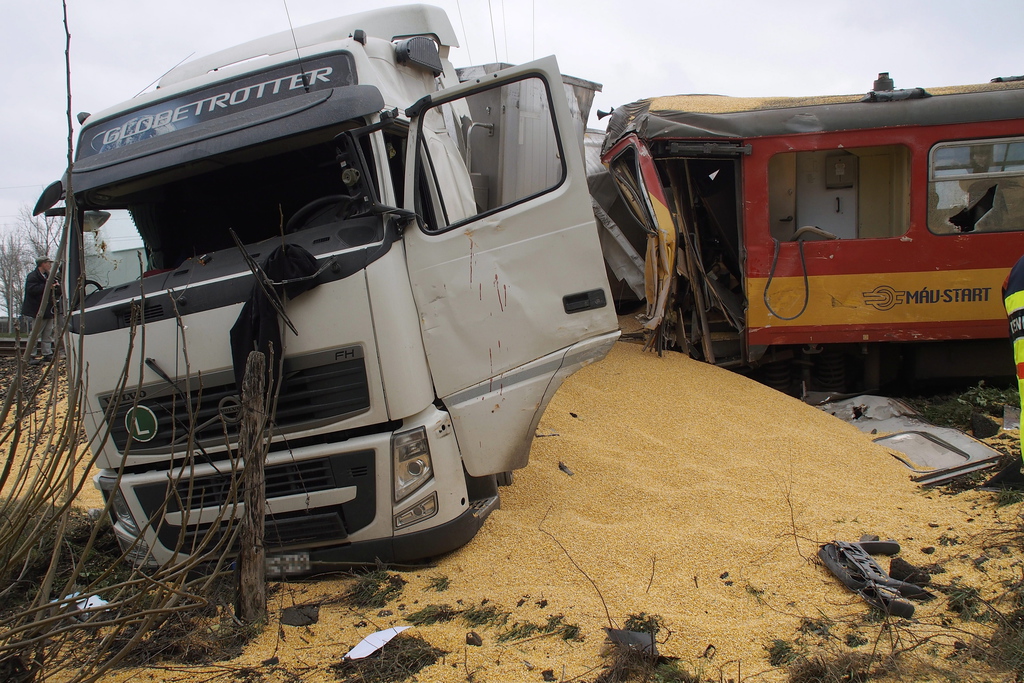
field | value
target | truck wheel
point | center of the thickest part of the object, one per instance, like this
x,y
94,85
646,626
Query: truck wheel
x,y
504,478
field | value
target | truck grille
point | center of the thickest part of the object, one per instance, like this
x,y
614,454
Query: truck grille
x,y
308,395
289,528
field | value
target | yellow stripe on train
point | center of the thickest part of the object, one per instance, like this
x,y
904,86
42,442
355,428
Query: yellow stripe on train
x,y
871,298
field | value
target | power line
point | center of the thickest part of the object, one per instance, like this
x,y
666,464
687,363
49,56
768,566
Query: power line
x,y
464,34
504,28
494,40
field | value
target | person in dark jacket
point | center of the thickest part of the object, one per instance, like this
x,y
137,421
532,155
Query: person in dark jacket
x,y
32,308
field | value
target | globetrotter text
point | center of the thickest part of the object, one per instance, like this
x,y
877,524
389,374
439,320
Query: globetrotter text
x,y
209,104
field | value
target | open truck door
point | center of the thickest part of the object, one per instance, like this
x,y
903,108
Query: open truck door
x,y
505,261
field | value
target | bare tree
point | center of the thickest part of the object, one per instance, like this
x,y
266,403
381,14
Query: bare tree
x,y
14,265
30,236
42,234
60,628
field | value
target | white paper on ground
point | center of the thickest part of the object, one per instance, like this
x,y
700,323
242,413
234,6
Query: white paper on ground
x,y
373,642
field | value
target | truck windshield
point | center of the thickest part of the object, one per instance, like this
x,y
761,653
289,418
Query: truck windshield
x,y
160,221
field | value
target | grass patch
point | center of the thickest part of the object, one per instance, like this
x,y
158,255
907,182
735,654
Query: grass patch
x,y
818,627
400,660
780,652
632,665
758,594
1006,497
1006,649
519,631
875,615
955,410
854,639
374,589
485,615
432,614
644,623
556,625
842,667
966,601
438,583
206,634
101,568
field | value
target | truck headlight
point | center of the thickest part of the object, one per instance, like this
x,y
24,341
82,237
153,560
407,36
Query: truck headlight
x,y
425,509
136,550
119,506
124,514
410,457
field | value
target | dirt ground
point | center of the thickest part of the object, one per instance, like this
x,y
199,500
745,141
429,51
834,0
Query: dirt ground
x,y
661,487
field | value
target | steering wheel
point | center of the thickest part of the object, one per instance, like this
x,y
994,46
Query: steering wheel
x,y
95,284
316,208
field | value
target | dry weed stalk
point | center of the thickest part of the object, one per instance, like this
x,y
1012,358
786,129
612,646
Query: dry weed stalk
x,y
56,631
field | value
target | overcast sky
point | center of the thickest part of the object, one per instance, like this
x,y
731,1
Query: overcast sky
x,y
635,48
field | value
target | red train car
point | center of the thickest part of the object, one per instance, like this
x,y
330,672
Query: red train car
x,y
831,243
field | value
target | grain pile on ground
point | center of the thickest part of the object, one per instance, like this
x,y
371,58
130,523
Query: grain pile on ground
x,y
661,486
45,407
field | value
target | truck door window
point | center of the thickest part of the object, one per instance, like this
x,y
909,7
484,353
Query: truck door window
x,y
114,253
976,186
487,151
852,193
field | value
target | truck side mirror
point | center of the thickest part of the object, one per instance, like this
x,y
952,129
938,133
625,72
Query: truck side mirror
x,y
53,193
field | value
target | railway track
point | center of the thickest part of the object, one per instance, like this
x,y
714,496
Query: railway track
x,y
10,347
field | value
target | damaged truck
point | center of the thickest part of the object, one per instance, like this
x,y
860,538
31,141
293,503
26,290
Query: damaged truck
x,y
418,256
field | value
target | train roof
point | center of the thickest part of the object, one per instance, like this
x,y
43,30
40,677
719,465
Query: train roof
x,y
720,116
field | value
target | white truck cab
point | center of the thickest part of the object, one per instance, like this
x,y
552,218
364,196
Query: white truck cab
x,y
417,256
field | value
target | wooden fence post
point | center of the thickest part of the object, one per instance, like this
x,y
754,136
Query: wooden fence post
x,y
252,568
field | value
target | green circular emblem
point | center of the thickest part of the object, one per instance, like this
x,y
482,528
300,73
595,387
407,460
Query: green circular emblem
x,y
140,423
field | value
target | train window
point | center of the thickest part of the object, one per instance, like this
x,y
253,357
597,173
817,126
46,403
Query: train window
x,y
976,186
859,192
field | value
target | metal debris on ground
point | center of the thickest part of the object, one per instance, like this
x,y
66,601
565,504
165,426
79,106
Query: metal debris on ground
x,y
935,455
852,564
300,615
1011,418
633,640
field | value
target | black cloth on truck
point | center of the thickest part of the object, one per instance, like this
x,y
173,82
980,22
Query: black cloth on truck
x,y
257,326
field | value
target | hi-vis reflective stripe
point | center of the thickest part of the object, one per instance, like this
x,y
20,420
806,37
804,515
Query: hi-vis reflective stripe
x,y
1014,302
1016,324
886,298
1015,312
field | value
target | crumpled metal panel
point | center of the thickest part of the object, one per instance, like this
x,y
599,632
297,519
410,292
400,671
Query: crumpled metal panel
x,y
934,454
